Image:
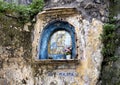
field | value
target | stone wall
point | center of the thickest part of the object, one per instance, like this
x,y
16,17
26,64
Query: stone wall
x,y
25,2
88,8
110,73
19,64
86,69
15,52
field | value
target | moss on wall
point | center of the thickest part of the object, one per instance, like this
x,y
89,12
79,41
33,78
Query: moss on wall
x,y
13,35
114,7
111,44
12,25
110,40
24,13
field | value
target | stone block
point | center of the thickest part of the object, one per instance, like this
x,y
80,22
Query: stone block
x,y
3,82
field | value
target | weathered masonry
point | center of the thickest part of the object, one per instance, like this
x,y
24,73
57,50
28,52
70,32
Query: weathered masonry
x,y
64,48
60,28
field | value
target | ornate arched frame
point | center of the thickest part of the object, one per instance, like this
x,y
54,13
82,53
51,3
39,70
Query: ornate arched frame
x,y
48,31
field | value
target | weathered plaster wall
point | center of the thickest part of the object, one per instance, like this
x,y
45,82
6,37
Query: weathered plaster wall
x,y
15,52
18,64
87,70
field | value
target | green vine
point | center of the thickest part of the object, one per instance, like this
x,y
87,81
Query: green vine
x,y
110,40
24,13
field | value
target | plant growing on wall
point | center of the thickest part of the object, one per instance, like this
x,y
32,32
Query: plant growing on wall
x,y
110,40
24,13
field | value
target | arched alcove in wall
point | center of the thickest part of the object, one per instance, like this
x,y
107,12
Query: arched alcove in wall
x,y
56,38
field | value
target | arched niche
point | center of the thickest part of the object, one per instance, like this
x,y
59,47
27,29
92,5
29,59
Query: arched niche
x,y
50,31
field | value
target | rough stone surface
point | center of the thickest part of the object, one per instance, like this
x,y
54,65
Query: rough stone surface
x,y
110,73
88,8
89,47
25,2
19,64
15,47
